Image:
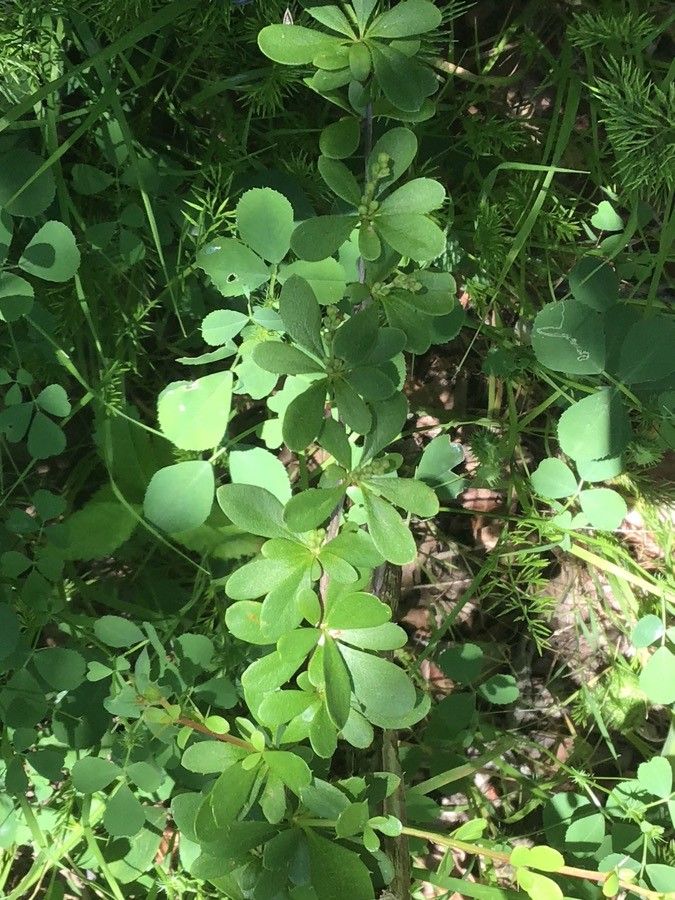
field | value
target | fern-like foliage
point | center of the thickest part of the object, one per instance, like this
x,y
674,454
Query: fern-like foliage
x,y
615,32
638,116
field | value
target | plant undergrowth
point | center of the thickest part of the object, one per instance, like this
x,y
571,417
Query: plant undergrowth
x,y
336,442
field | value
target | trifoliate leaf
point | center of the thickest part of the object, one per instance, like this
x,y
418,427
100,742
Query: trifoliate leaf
x,y
595,427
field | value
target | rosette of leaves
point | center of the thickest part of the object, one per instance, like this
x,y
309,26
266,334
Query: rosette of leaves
x,y
363,43
423,305
398,219
351,368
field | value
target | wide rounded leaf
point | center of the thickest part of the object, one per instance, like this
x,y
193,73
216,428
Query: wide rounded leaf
x,y
595,427
265,223
554,479
326,277
93,773
647,631
657,679
52,253
221,325
405,82
407,493
340,139
648,351
283,359
421,195
400,146
194,414
261,468
310,509
383,689
22,191
293,45
115,631
124,815
315,239
243,621
301,314
232,267
415,236
16,297
603,507
180,497
304,417
594,283
253,509
405,19
656,777
569,337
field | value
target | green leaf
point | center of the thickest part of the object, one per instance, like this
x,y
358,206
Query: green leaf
x,y
232,267
308,510
412,235
333,438
405,82
301,314
595,427
9,631
340,180
352,820
337,684
304,417
265,223
89,180
18,167
411,495
657,679
382,637
438,459
656,777
553,478
355,338
16,297
407,18
400,145
293,45
52,253
261,468
290,768
54,400
282,706
389,533
463,663
6,231
569,337
662,877
114,631
340,139
600,469
315,239
384,690
221,325
211,757
253,509
336,872
45,438
332,17
194,414
538,887
647,351
352,409
326,277
603,507
546,859
605,218
500,689
243,621
419,196
364,10
594,283
180,497
647,631
258,577
283,359
124,816
61,668
92,773
355,610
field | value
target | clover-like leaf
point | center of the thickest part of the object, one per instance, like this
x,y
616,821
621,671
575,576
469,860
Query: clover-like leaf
x,y
52,253
265,223
180,497
232,267
194,414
